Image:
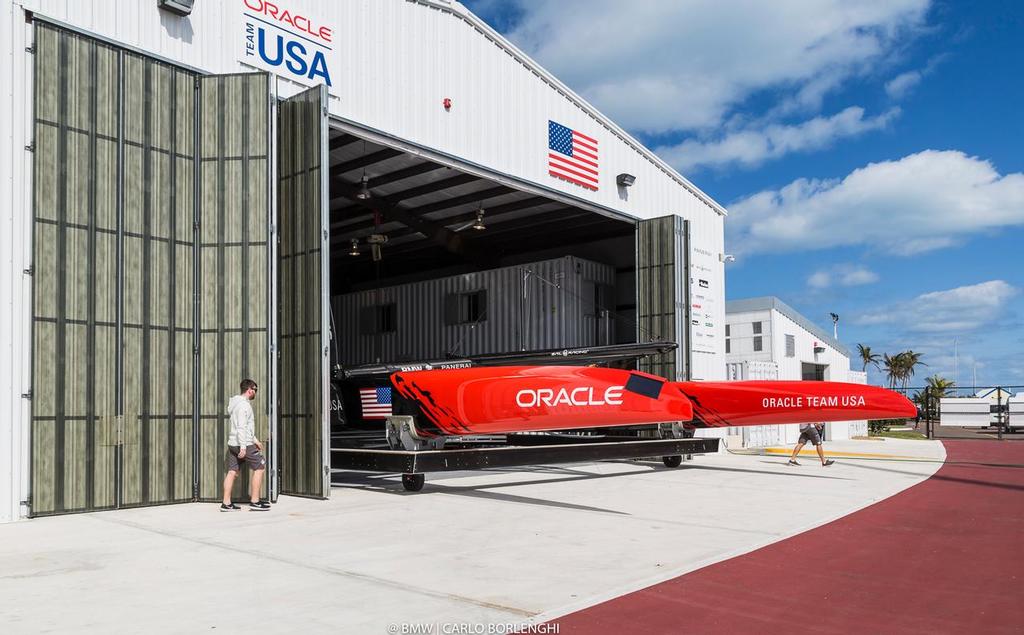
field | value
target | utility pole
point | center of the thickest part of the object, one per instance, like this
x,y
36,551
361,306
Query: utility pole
x,y
835,325
956,366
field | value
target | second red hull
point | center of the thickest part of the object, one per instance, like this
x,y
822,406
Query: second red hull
x,y
502,400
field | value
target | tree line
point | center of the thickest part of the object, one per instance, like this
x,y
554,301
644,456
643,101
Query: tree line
x,y
899,369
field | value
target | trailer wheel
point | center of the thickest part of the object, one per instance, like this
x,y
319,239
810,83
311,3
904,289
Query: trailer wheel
x,y
672,461
413,482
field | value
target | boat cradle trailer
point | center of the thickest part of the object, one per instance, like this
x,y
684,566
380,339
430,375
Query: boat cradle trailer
x,y
414,455
517,450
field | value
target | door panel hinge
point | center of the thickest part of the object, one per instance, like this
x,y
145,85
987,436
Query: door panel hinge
x,y
30,49
27,395
195,351
31,147
29,272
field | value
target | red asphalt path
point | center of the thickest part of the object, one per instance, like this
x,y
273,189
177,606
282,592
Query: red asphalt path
x,y
944,556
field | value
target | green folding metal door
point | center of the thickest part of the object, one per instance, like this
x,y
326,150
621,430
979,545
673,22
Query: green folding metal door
x,y
304,295
152,217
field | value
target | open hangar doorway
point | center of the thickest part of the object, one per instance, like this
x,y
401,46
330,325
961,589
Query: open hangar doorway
x,y
430,261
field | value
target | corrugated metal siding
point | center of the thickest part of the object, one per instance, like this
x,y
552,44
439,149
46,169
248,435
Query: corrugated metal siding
x,y
554,313
425,53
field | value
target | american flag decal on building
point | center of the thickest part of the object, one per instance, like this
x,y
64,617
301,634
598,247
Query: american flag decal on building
x,y
376,402
572,156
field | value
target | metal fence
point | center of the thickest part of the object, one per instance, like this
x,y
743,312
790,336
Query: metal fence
x,y
968,411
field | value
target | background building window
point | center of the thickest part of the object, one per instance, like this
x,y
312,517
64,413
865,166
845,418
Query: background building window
x,y
465,308
727,347
790,346
758,344
382,318
757,328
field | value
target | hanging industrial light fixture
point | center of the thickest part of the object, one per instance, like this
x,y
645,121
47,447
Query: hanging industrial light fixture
x,y
364,189
479,223
354,251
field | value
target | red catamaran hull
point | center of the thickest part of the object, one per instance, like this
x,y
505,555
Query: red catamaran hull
x,y
503,400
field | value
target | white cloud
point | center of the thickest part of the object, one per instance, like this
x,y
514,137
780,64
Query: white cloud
x,y
845,275
900,85
820,279
958,310
665,65
751,146
919,203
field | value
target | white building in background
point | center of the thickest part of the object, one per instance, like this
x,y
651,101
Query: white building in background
x,y
767,339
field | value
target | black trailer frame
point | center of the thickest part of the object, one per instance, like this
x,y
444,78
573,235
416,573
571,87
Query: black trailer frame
x,y
414,464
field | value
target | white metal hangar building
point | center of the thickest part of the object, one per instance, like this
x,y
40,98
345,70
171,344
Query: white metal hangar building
x,y
188,186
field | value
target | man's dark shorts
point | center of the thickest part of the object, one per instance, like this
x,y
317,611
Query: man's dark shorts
x,y
809,435
253,458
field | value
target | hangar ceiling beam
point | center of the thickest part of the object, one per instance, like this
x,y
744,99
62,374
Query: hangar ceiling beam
x,y
365,160
341,141
387,179
392,210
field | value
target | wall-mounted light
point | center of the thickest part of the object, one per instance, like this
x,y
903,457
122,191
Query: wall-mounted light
x,y
625,180
364,189
181,7
354,251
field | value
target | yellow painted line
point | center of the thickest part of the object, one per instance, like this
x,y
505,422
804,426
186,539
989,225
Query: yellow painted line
x,y
828,453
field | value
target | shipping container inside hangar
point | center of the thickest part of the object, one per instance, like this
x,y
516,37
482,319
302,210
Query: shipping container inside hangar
x,y
192,185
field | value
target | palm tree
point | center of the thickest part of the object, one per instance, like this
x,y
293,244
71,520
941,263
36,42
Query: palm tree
x,y
867,357
910,360
936,388
892,368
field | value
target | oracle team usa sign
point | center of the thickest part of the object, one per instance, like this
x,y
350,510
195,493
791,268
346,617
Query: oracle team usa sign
x,y
286,42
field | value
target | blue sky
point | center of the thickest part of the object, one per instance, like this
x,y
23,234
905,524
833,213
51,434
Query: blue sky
x,y
869,153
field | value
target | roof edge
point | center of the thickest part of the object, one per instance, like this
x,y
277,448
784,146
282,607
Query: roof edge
x,y
770,302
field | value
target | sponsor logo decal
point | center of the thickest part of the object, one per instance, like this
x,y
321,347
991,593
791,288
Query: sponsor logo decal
x,y
288,42
812,401
581,396
570,352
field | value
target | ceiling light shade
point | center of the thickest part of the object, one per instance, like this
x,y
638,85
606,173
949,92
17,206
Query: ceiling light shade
x,y
479,223
354,251
625,179
364,189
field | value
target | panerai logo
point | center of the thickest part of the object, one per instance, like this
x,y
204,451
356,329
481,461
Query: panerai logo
x,y
289,41
582,396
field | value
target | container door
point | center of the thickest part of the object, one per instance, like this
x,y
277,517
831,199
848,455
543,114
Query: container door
x,y
304,295
663,292
233,264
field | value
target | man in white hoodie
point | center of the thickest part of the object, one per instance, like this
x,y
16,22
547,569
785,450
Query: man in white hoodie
x,y
244,446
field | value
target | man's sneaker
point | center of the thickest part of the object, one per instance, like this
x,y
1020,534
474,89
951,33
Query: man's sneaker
x,y
229,508
792,462
827,463
261,506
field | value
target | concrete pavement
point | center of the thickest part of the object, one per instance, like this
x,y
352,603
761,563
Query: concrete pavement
x,y
472,548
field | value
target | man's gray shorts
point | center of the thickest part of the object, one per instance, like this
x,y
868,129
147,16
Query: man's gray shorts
x,y
810,434
253,458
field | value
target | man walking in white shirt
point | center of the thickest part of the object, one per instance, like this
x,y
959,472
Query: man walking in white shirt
x,y
810,432
244,446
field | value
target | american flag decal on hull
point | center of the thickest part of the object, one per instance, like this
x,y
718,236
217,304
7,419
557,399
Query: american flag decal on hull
x,y
376,402
572,156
